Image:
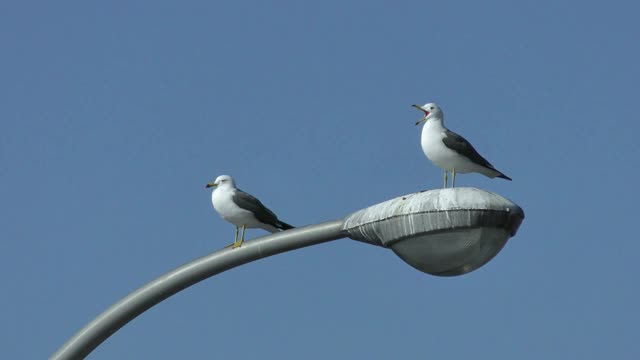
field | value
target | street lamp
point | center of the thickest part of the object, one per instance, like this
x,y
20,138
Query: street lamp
x,y
443,232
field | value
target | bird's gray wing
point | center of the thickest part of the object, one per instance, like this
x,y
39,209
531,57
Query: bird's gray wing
x,y
249,202
460,145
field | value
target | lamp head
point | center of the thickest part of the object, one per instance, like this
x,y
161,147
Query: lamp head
x,y
445,232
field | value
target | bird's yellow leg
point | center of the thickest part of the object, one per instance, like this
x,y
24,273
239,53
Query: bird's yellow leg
x,y
237,244
445,179
235,239
453,180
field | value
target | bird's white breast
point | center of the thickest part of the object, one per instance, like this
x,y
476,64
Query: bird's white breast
x,y
432,134
223,203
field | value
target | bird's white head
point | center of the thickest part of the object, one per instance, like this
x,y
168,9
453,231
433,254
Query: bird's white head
x,y
222,181
430,110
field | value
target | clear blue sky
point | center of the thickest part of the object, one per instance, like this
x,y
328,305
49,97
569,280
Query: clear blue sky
x,y
114,115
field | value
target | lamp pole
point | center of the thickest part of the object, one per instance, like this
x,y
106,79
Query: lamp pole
x,y
127,309
444,232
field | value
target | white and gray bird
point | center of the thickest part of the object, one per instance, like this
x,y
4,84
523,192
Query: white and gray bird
x,y
242,209
449,150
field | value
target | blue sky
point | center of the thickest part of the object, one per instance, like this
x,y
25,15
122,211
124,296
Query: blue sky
x,y
114,115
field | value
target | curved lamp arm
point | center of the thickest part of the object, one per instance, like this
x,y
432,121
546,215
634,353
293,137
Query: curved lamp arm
x,y
127,309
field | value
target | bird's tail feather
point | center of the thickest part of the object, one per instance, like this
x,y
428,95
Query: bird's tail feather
x,y
283,225
492,172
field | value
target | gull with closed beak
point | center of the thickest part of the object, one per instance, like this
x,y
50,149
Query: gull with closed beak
x,y
242,209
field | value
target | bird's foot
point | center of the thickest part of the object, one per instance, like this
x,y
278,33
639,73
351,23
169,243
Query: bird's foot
x,y
236,245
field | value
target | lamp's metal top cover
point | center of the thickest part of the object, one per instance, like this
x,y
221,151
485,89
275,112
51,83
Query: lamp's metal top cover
x,y
442,232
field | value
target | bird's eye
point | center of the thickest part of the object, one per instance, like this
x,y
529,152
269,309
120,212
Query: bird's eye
x,y
432,108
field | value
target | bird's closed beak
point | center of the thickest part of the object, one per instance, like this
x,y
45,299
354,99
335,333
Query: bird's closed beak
x,y
211,184
426,113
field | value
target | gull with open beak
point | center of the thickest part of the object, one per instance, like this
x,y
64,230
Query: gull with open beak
x,y
242,209
448,150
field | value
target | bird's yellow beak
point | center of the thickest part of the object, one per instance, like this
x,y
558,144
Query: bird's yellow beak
x,y
425,114
211,184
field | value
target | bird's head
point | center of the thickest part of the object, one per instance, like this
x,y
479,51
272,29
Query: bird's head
x,y
430,110
222,181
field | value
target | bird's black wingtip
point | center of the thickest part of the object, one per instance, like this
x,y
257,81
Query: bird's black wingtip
x,y
284,226
503,176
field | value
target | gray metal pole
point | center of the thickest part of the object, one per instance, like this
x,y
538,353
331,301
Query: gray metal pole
x,y
127,309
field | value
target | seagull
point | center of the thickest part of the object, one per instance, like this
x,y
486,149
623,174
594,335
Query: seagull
x,y
449,150
242,209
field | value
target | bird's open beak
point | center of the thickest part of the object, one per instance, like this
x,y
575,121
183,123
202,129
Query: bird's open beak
x,y
426,113
212,184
